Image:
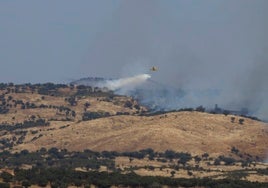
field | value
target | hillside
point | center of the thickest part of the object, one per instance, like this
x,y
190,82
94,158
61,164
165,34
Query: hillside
x,y
191,132
48,125
71,124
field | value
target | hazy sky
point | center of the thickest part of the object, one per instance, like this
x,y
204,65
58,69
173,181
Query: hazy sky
x,y
197,45
49,40
57,41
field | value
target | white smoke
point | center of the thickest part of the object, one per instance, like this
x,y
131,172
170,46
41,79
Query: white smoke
x,y
215,52
126,84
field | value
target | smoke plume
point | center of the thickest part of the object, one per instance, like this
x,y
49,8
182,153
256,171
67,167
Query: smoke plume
x,y
123,85
209,52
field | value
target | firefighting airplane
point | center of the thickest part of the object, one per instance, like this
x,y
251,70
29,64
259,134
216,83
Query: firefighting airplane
x,y
154,68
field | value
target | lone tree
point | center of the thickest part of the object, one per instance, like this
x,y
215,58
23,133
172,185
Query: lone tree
x,y
200,109
241,121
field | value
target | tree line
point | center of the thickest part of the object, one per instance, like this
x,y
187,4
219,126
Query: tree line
x,y
64,177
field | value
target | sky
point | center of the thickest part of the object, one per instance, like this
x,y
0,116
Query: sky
x,y
56,41
199,45
48,41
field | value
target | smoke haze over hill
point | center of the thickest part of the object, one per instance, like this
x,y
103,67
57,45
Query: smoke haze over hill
x,y
215,51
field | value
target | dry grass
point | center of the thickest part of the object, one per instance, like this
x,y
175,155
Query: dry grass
x,y
191,132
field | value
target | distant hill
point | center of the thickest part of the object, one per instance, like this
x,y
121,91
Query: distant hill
x,y
161,97
152,94
89,81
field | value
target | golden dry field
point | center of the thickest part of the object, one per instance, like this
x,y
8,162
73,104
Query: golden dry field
x,y
100,121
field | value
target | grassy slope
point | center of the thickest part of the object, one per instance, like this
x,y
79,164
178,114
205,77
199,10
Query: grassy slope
x,y
192,132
